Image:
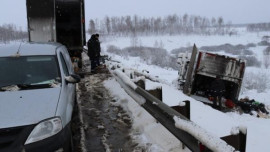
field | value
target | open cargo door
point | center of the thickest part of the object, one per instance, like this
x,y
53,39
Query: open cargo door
x,y
60,21
41,20
70,23
188,82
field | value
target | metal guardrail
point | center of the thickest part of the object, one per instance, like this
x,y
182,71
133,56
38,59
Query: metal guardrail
x,y
162,112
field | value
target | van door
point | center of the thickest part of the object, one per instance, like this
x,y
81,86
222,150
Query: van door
x,y
67,97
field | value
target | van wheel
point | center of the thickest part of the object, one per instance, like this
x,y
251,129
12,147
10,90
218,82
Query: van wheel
x,y
69,144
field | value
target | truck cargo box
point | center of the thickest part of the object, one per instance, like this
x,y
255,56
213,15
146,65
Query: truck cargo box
x,y
57,21
201,68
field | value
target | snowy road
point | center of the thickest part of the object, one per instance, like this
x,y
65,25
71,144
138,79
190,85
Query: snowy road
x,y
107,128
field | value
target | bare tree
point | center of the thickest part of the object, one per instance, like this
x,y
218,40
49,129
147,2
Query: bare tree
x,y
220,21
171,24
9,32
134,40
259,27
257,81
213,21
108,24
92,27
157,25
266,57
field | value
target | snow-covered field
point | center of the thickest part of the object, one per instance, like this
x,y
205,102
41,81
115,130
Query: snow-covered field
x,y
172,42
217,123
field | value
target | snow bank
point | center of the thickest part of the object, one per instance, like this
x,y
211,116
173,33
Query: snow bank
x,y
150,85
237,130
145,129
156,73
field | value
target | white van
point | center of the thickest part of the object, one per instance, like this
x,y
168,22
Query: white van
x,y
37,94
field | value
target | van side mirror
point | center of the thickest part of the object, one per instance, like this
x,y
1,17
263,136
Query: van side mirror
x,y
73,78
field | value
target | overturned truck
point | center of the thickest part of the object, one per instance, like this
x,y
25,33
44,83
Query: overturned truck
x,y
199,69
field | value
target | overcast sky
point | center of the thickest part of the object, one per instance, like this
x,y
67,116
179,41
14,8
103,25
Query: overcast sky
x,y
236,11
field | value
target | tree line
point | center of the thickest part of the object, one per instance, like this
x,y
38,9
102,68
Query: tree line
x,y
171,24
10,32
258,27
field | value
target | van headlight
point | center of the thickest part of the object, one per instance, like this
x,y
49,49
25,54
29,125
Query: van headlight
x,y
44,130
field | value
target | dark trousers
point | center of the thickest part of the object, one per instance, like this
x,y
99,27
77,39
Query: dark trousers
x,y
97,61
94,63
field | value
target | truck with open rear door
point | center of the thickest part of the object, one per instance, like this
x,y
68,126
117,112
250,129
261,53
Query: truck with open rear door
x,y
199,69
60,21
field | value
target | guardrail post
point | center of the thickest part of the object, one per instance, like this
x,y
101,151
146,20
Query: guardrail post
x,y
156,92
184,110
237,141
140,83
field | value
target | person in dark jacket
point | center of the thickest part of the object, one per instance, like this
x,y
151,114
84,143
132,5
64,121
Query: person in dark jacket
x,y
98,50
217,89
93,45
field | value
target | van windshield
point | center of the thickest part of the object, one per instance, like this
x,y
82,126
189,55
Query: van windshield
x,y
31,70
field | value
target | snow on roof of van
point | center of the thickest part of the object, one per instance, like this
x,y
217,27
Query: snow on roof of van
x,y
29,48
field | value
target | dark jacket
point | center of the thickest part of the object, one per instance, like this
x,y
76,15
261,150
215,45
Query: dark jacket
x,y
217,88
98,49
93,45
